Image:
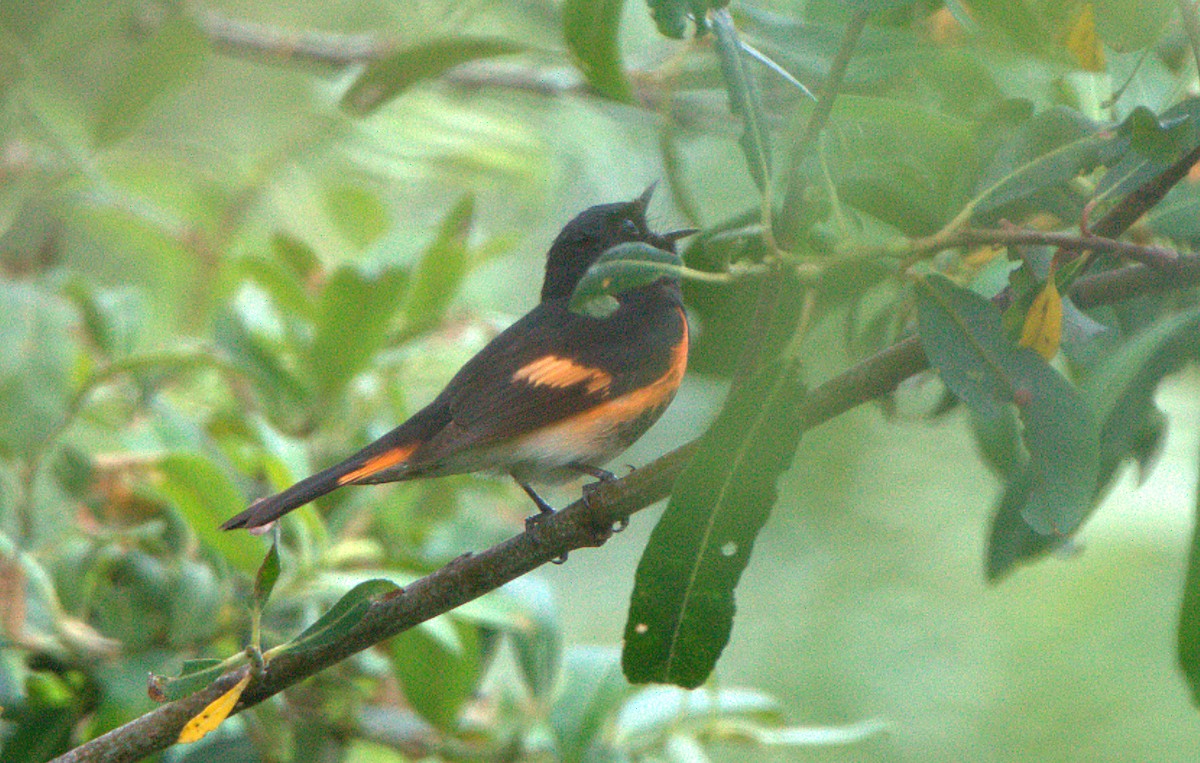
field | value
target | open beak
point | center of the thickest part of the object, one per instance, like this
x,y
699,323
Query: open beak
x,y
642,203
675,235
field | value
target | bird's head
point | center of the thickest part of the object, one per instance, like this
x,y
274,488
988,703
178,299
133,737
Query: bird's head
x,y
595,230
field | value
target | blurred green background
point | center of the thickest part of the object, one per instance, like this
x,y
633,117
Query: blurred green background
x,y
149,192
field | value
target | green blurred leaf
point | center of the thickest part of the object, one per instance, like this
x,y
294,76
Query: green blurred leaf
x,y
681,610
438,276
196,599
651,713
162,64
1188,636
342,616
619,269
437,679
353,319
745,100
41,727
36,356
386,78
538,642
206,497
268,573
1131,24
591,29
905,164
262,361
965,341
592,689
357,213
113,318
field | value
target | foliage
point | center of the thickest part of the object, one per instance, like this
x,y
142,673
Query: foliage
x,y
230,253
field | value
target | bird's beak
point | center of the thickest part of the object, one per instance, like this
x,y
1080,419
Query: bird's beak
x,y
642,203
675,235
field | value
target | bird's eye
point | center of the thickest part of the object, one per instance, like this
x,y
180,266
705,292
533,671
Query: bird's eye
x,y
629,227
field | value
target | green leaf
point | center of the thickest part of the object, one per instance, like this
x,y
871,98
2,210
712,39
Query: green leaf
x,y
193,676
161,65
1048,152
672,16
592,689
268,573
1155,142
905,164
40,728
591,29
1121,390
438,276
538,642
342,616
965,341
619,269
205,497
36,357
681,611
745,100
386,78
437,679
353,320
262,361
1188,637
1121,393
357,213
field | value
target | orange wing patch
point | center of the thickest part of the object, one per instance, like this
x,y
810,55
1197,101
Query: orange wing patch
x,y
376,464
553,371
592,427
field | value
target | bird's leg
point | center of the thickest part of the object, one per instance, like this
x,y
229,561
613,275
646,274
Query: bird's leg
x,y
544,510
602,476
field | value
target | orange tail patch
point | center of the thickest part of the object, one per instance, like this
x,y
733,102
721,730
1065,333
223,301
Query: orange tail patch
x,y
376,464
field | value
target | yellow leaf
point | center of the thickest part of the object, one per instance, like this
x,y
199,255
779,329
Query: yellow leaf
x,y
1043,323
1083,42
210,717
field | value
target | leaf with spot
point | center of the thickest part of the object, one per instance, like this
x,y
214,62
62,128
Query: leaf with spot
x,y
681,612
619,269
214,714
964,339
1042,331
1121,393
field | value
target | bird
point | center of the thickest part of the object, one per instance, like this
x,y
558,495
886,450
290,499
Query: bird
x,y
556,395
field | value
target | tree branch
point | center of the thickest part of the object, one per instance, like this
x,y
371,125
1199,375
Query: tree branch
x,y
578,526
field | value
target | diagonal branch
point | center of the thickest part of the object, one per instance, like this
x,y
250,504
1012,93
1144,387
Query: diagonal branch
x,y
576,526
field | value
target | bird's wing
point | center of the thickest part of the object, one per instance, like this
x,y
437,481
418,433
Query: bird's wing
x,y
554,364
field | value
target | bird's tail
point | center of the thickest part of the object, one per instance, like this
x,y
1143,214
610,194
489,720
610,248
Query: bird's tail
x,y
384,460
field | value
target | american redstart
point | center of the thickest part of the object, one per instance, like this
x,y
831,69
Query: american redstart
x,y
555,395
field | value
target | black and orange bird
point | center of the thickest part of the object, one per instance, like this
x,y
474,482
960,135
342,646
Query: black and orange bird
x,y
555,395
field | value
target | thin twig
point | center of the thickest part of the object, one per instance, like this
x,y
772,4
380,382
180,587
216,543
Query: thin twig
x,y
1152,256
793,198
